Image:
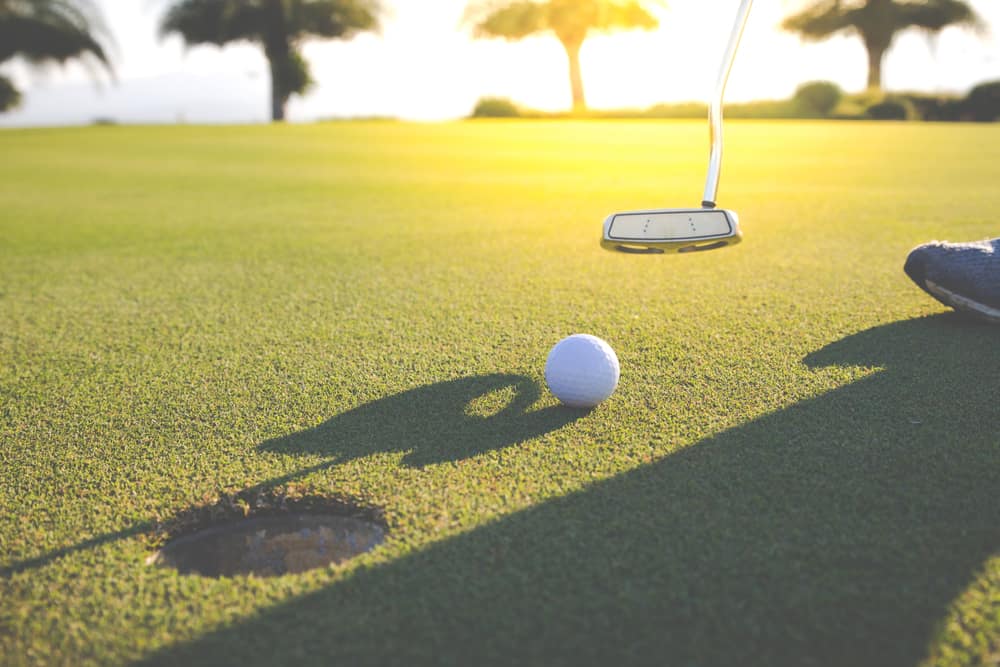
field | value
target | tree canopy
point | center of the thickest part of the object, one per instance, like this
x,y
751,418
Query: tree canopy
x,y
279,26
49,31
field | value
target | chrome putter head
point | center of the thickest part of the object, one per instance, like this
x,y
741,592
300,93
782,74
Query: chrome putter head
x,y
659,231
671,230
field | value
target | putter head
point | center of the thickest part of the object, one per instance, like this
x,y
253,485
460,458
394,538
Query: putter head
x,y
671,230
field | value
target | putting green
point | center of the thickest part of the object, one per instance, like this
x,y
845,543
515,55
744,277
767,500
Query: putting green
x,y
800,465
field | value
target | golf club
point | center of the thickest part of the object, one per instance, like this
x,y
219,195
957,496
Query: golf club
x,y
686,229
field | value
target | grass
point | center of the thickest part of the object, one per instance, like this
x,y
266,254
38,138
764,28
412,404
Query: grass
x,y
800,466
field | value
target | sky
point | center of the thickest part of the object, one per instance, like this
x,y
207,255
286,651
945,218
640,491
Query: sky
x,y
425,66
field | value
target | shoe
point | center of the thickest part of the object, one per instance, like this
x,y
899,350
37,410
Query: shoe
x,y
965,276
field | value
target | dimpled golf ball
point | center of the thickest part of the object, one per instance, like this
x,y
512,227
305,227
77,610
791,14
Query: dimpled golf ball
x,y
582,370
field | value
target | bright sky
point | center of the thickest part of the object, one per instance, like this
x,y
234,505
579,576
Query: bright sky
x,y
425,66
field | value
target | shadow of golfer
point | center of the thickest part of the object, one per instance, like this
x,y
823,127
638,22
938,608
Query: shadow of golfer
x,y
434,423
835,532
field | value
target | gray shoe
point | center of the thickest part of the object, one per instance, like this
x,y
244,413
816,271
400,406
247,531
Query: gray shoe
x,y
965,276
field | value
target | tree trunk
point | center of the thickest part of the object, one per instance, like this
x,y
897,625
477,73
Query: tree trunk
x,y
278,52
876,54
278,98
575,76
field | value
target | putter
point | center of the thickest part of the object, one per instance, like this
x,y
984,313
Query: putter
x,y
659,231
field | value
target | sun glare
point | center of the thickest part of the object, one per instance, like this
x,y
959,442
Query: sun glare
x,y
679,61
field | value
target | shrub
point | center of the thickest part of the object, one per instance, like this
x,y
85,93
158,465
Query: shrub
x,y
495,107
891,108
820,97
765,109
10,97
983,102
934,107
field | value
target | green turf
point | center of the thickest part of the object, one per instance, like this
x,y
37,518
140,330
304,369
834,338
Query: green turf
x,y
800,467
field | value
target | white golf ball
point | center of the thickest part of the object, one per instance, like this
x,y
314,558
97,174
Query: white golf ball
x,y
582,370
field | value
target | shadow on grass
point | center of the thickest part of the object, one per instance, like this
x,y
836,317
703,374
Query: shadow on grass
x,y
92,543
432,423
835,532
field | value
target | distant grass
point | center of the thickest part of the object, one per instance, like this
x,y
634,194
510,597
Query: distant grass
x,y
800,466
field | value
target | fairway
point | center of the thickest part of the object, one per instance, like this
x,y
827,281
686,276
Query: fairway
x,y
800,466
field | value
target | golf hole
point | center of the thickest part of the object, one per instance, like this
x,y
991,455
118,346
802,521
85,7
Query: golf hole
x,y
272,544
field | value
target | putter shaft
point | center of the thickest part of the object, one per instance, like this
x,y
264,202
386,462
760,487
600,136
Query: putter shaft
x,y
715,107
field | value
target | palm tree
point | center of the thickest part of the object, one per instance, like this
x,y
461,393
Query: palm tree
x,y
878,22
10,97
279,26
49,31
569,20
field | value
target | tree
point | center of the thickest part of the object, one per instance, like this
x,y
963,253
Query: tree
x,y
43,31
983,102
279,26
877,22
569,20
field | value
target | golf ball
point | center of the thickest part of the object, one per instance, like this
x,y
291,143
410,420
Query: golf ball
x,y
582,370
